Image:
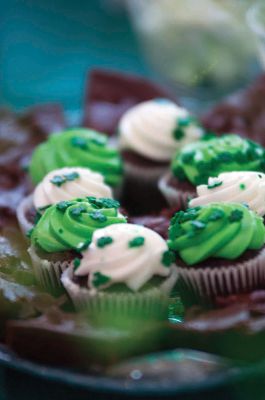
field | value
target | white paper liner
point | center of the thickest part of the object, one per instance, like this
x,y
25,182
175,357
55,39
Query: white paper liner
x,y
24,206
150,302
221,281
48,273
175,197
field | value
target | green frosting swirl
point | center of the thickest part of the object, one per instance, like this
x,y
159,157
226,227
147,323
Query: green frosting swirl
x,y
199,160
77,148
221,230
69,225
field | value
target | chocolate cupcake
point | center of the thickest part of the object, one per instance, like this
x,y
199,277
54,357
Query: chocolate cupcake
x,y
196,162
246,187
126,270
77,147
219,249
149,135
63,231
60,185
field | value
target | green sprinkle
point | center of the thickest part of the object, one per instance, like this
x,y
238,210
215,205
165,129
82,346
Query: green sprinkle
x,y
77,211
60,230
76,263
100,279
216,214
225,157
214,184
58,180
178,133
242,186
98,141
236,215
98,216
63,205
184,121
71,176
103,202
179,173
83,246
79,142
260,176
168,258
198,224
104,241
187,158
137,241
29,233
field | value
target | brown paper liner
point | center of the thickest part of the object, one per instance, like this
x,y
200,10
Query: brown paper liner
x,y
22,211
150,302
209,282
175,197
48,273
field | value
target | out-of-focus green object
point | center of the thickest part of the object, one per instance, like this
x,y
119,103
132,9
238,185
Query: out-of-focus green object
x,y
203,47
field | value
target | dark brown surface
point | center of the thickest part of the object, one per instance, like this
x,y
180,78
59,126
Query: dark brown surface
x,y
109,94
19,134
136,159
242,113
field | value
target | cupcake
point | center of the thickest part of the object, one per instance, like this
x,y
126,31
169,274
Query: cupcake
x,y
77,147
63,231
219,249
196,162
245,187
149,135
62,184
127,270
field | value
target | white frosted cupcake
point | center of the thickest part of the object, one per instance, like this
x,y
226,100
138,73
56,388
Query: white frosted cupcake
x,y
149,135
127,269
60,185
246,187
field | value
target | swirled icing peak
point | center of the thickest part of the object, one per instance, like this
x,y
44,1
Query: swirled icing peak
x,y
157,128
77,147
197,161
69,225
221,230
69,183
124,253
239,187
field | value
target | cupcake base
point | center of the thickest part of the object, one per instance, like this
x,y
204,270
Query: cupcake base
x,y
208,282
48,273
23,212
151,303
140,194
176,195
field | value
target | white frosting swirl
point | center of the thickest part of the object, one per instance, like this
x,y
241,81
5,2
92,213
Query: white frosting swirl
x,y
148,129
88,183
133,266
240,187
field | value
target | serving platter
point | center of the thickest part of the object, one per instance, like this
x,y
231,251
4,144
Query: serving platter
x,y
23,378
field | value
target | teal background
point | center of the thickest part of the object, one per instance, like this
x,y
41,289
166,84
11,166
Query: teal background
x,y
47,47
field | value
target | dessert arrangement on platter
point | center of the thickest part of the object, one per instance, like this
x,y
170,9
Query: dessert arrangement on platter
x,y
140,231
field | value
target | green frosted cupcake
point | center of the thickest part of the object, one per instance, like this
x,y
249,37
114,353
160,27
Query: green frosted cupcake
x,y
77,147
196,162
219,248
64,230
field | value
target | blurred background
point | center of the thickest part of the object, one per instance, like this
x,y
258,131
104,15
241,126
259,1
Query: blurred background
x,y
203,49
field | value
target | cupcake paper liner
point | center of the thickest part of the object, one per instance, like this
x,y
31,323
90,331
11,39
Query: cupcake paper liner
x,y
48,273
175,197
24,206
221,281
151,302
